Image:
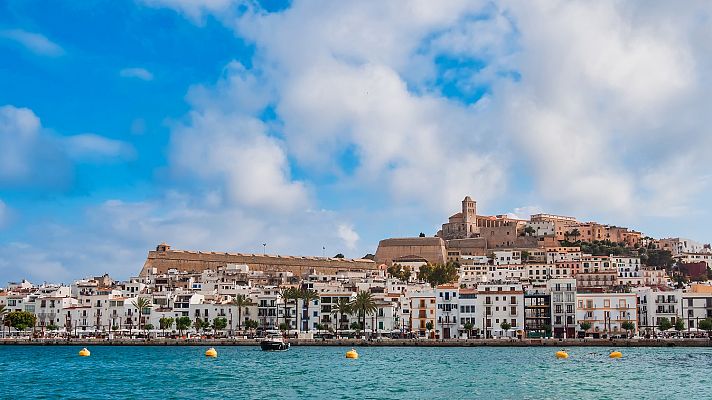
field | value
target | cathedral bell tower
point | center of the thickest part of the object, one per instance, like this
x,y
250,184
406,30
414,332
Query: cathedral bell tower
x,y
469,210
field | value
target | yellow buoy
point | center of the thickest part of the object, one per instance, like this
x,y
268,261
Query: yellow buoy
x,y
615,354
211,352
84,352
562,354
352,354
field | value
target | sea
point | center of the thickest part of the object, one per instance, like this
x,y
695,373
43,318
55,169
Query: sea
x,y
169,372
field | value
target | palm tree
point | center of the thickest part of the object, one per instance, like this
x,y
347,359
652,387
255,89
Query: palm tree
x,y
286,294
341,307
141,303
240,301
364,304
3,312
308,296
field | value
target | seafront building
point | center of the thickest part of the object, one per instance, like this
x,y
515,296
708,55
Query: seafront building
x,y
541,277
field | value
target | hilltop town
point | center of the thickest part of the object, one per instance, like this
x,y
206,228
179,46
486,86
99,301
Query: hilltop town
x,y
477,277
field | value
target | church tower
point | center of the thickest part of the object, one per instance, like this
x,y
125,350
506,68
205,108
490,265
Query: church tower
x,y
469,210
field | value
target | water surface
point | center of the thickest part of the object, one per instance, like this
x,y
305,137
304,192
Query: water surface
x,y
56,372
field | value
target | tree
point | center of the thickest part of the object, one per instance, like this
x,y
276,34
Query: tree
x,y
251,324
165,323
658,258
399,272
438,274
525,255
421,234
240,301
664,324
283,327
468,327
340,255
287,294
341,307
585,326
219,323
628,326
308,296
183,323
429,326
202,324
148,327
356,326
506,326
20,320
52,327
679,324
575,233
364,304
529,231
141,304
706,325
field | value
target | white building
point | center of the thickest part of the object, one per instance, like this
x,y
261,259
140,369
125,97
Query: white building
x,y
507,257
563,307
501,302
606,312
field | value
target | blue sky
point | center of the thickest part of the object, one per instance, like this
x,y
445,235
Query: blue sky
x,y
222,125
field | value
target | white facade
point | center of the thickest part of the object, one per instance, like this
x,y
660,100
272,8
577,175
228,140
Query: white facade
x,y
543,228
507,257
607,312
501,302
563,306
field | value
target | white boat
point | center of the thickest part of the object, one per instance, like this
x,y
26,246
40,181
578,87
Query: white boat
x,y
274,343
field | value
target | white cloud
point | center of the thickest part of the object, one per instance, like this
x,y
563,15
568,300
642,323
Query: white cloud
x,y
138,73
348,235
89,146
19,128
3,213
32,156
35,42
194,9
225,145
344,83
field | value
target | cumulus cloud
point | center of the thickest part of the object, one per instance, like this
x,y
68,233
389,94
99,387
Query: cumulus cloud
x,y
348,235
31,156
89,146
34,42
588,98
195,9
138,73
224,144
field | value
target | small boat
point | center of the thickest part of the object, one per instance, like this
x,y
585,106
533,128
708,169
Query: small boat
x,y
274,343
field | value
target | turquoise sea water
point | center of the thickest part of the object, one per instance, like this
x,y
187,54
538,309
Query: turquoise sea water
x,y
30,372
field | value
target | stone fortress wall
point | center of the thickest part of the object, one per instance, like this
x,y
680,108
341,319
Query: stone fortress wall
x,y
164,258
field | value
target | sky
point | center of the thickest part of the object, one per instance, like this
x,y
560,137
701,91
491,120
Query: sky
x,y
322,127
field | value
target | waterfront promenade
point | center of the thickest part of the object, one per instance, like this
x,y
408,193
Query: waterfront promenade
x,y
376,342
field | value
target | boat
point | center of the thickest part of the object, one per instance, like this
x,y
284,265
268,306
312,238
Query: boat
x,y
274,343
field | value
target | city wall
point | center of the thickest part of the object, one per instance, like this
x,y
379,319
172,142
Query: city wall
x,y
197,261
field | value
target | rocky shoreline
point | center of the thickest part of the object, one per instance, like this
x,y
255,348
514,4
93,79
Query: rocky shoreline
x,y
375,342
